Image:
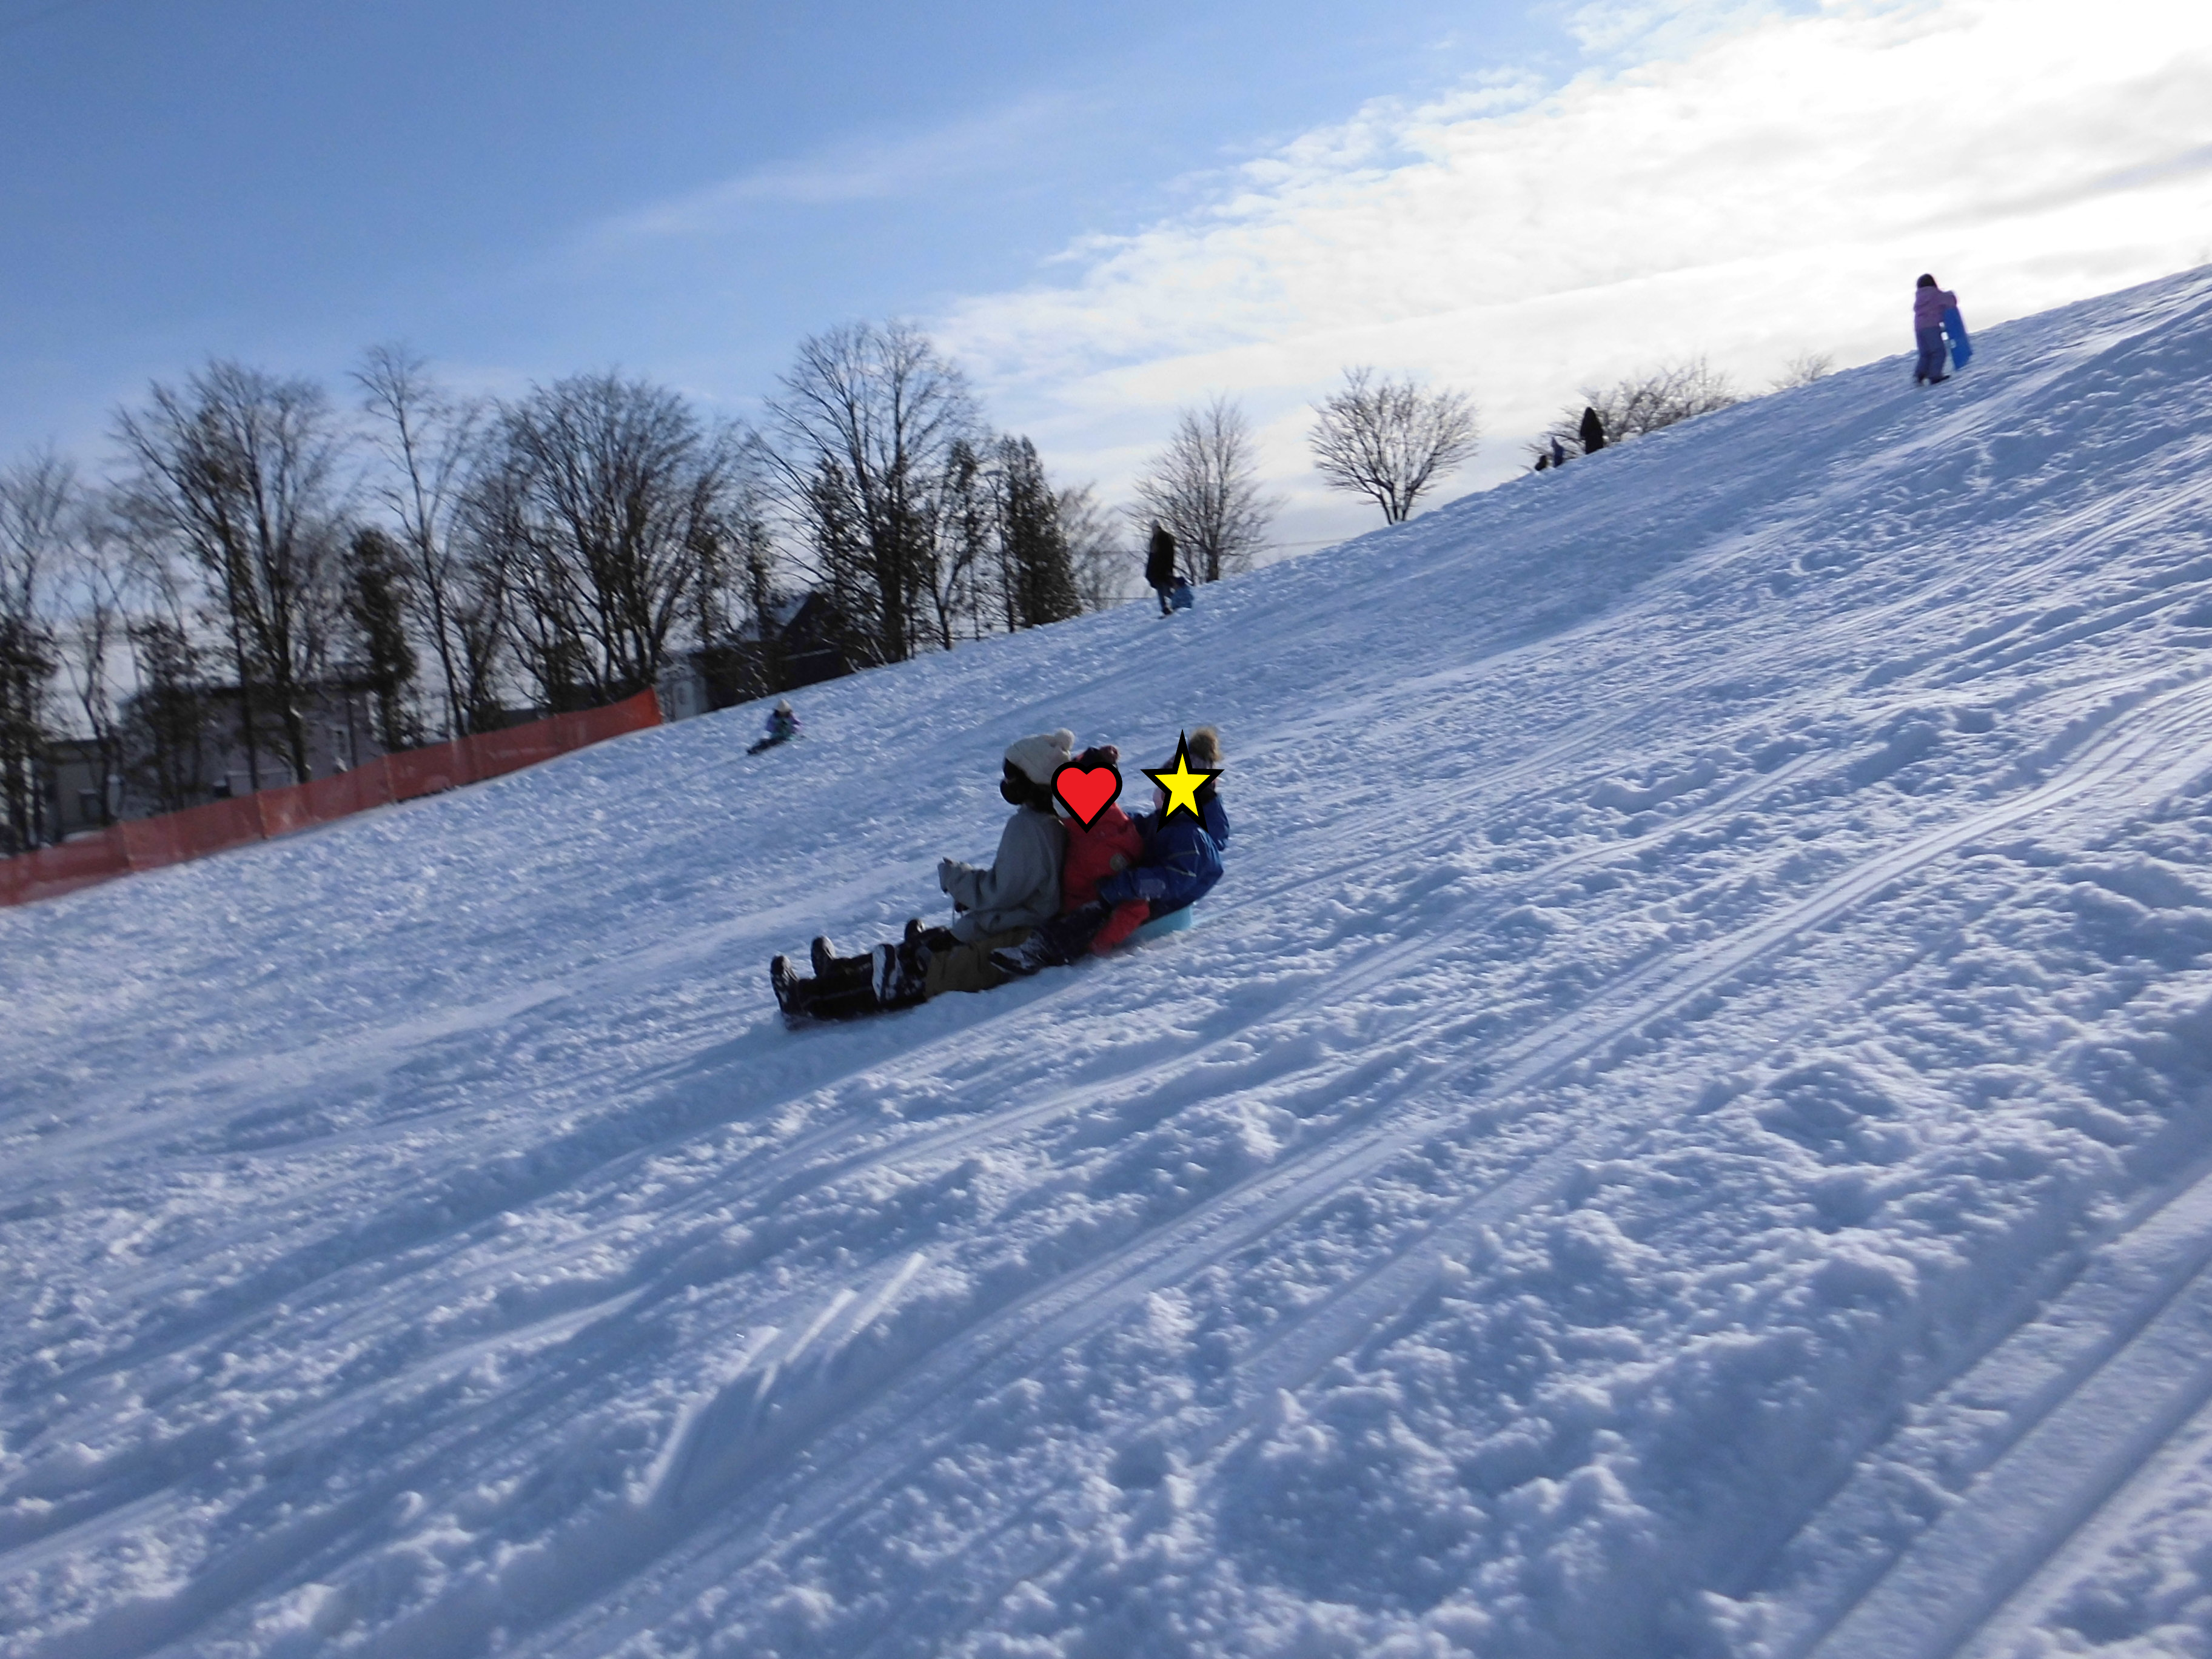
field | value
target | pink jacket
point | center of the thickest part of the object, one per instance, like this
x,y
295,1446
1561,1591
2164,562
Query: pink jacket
x,y
1929,305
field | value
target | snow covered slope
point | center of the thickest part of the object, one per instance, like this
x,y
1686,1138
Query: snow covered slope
x,y
1687,1128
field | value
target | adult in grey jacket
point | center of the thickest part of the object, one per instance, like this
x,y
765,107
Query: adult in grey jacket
x,y
998,905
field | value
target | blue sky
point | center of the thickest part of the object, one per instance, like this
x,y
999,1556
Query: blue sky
x,y
1105,212
289,182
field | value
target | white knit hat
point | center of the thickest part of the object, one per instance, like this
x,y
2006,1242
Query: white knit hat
x,y
1038,758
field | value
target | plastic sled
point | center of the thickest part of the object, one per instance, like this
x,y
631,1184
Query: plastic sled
x,y
1180,598
1954,331
1174,921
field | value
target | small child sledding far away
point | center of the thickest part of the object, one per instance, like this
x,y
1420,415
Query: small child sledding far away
x,y
782,726
998,905
1178,861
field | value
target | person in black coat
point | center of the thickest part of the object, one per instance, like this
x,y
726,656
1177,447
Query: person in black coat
x,y
1160,563
1593,431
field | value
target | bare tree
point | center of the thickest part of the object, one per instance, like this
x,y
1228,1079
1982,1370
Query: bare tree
x,y
236,472
606,504
38,500
1205,488
864,443
480,603
1642,403
963,559
1388,439
162,722
106,577
1095,550
428,441
1803,369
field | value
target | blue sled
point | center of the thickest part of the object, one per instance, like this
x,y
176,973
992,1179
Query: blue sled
x,y
1955,329
1174,922
1179,597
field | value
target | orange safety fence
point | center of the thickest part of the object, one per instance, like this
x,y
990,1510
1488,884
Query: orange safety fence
x,y
174,837
431,771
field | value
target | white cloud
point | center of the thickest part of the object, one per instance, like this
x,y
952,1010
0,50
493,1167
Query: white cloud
x,y
878,168
1765,180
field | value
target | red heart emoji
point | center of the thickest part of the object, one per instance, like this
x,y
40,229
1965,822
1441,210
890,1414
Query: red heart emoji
x,y
1087,790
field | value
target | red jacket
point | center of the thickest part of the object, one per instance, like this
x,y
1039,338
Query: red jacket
x,y
1109,847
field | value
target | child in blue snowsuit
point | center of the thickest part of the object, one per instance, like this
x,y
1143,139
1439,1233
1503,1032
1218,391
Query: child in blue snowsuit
x,y
782,726
1183,859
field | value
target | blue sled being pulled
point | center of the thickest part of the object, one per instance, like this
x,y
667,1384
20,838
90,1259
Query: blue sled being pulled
x,y
1954,331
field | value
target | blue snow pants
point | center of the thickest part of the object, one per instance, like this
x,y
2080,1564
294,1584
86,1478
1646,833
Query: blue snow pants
x,y
1932,353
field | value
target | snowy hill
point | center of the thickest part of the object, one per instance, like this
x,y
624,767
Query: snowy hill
x,y
1687,1128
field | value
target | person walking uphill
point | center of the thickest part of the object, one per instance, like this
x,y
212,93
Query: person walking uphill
x,y
1593,432
1930,303
998,905
1160,564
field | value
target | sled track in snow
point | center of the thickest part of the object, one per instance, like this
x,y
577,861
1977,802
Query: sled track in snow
x,y
1497,790
843,1457
2089,1390
1100,1294
1350,973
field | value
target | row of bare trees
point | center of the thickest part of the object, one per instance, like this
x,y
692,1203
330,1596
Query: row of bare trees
x,y
1387,439
1654,399
456,555
922,524
461,557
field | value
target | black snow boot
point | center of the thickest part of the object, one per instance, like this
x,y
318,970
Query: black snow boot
x,y
790,989
847,991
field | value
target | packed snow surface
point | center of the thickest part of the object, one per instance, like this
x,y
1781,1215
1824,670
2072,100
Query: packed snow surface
x,y
1684,1130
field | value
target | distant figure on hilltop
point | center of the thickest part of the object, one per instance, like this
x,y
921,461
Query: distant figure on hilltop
x,y
1593,431
1160,563
1930,303
782,726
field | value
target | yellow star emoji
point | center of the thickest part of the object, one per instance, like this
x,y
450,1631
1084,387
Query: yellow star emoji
x,y
1183,783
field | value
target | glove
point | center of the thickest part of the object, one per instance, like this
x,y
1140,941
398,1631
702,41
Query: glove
x,y
1139,884
946,869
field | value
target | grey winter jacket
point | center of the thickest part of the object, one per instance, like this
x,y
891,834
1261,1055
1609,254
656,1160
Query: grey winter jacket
x,y
1021,888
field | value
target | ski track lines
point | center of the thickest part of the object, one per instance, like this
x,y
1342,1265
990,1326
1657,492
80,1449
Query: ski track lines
x,y
1352,1313
1378,964
2136,760
247,1306
801,1159
2089,1391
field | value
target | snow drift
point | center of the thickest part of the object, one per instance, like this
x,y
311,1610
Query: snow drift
x,y
1684,1130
